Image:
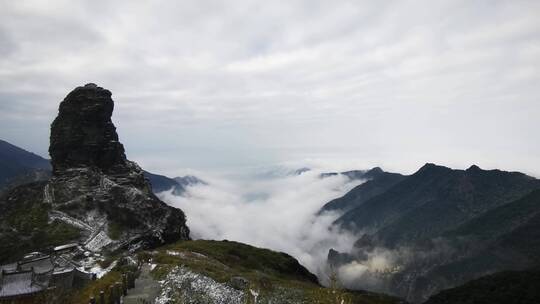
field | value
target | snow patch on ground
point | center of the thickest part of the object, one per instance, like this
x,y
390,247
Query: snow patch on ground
x,y
192,288
99,241
176,253
255,295
199,255
106,184
100,272
133,193
58,215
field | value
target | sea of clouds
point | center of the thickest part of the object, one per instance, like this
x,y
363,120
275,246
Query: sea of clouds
x,y
271,208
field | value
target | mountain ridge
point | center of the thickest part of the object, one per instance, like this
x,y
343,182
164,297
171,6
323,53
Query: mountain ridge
x,y
445,227
467,193
377,182
15,162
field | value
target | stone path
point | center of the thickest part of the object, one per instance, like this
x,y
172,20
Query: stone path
x,y
146,288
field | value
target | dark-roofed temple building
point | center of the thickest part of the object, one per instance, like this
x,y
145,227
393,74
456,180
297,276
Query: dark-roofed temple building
x,y
38,272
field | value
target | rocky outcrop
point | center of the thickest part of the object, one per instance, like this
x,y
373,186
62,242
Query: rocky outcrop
x,y
93,183
83,133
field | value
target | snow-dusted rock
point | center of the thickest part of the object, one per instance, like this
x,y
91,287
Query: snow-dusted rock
x,y
184,286
95,187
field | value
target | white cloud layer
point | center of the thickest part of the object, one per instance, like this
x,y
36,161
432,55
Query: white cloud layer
x,y
270,211
214,84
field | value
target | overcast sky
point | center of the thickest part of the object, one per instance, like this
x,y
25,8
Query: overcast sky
x,y
212,85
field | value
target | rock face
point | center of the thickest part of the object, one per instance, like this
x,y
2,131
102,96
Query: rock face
x,y
95,187
83,133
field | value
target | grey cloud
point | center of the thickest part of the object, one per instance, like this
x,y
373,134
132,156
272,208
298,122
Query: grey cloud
x,y
398,82
8,46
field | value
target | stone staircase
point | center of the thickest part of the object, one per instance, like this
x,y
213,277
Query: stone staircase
x,y
146,288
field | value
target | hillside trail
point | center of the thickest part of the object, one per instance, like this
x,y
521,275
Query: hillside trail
x,y
146,288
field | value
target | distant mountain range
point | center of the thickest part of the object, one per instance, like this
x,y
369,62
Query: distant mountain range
x,y
456,225
177,185
18,165
435,199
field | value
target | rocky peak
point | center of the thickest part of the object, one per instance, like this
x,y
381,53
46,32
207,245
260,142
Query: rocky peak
x,y
374,172
430,168
94,184
83,135
474,168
